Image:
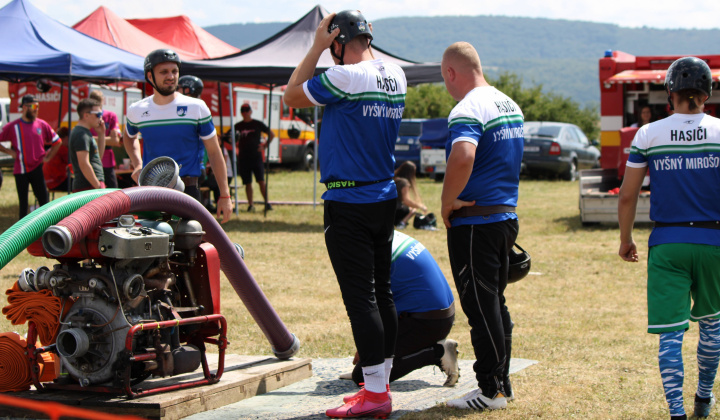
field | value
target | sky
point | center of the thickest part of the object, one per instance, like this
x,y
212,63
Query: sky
x,y
662,14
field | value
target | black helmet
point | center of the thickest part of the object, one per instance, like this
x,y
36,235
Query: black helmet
x,y
689,73
156,57
351,23
193,83
519,264
160,56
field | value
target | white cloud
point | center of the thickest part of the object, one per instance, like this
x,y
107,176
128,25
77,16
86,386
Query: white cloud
x,y
652,13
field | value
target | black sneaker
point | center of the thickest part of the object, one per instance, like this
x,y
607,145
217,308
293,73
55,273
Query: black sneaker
x,y
268,207
703,406
251,208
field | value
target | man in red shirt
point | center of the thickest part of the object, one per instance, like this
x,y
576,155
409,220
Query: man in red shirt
x,y
27,136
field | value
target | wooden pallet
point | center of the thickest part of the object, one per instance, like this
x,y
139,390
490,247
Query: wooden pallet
x,y
244,377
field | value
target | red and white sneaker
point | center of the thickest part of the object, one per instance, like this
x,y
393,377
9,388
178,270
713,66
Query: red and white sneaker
x,y
369,404
349,398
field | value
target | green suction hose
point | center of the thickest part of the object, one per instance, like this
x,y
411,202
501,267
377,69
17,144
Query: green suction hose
x,y
20,235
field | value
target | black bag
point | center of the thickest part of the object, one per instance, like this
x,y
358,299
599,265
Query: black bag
x,y
427,221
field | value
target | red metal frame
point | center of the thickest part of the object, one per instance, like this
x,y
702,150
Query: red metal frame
x,y
209,377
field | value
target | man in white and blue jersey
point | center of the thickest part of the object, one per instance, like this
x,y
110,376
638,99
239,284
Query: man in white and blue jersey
x,y
426,313
175,125
480,193
364,99
682,153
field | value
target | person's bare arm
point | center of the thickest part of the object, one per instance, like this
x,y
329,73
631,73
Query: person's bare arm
x,y
408,201
8,151
132,147
627,206
217,161
457,173
294,94
101,137
113,140
83,157
52,152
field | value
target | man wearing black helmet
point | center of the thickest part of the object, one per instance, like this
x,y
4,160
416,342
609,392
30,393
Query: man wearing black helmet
x,y
681,153
177,126
364,100
190,86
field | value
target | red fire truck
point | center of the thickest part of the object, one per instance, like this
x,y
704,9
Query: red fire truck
x,y
296,135
628,83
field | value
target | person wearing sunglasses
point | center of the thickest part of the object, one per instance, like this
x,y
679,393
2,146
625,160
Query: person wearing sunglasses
x,y
28,136
85,152
113,137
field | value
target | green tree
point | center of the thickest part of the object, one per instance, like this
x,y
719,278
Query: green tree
x,y
433,101
429,100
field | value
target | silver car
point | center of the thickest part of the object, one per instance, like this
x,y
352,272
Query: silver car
x,y
557,148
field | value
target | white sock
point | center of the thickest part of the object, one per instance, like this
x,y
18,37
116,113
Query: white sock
x,y
374,377
388,368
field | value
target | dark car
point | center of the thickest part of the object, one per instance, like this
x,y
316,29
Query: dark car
x,y
556,148
407,145
414,134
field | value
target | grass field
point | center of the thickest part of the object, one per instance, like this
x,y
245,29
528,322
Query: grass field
x,y
581,313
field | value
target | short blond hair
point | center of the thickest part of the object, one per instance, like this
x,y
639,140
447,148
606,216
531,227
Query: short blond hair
x,y
463,57
97,95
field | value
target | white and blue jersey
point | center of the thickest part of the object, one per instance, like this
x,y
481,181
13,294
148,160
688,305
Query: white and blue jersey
x,y
417,283
364,104
682,152
176,130
493,122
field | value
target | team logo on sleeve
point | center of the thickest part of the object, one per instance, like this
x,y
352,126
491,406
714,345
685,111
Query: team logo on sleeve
x,y
182,111
39,131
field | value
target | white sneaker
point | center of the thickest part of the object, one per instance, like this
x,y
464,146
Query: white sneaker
x,y
448,363
346,375
475,400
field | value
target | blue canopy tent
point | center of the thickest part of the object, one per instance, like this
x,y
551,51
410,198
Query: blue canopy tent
x,y
36,46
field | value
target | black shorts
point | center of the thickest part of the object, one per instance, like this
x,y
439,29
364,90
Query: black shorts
x,y
247,169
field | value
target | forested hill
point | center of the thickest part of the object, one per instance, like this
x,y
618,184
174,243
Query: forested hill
x,y
562,55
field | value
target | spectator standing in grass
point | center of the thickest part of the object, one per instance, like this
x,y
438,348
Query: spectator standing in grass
x,y
250,147
85,152
112,139
27,136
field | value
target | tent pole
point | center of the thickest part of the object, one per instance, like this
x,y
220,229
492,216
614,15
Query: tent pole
x,y
68,184
234,151
267,153
315,153
69,99
222,129
60,107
